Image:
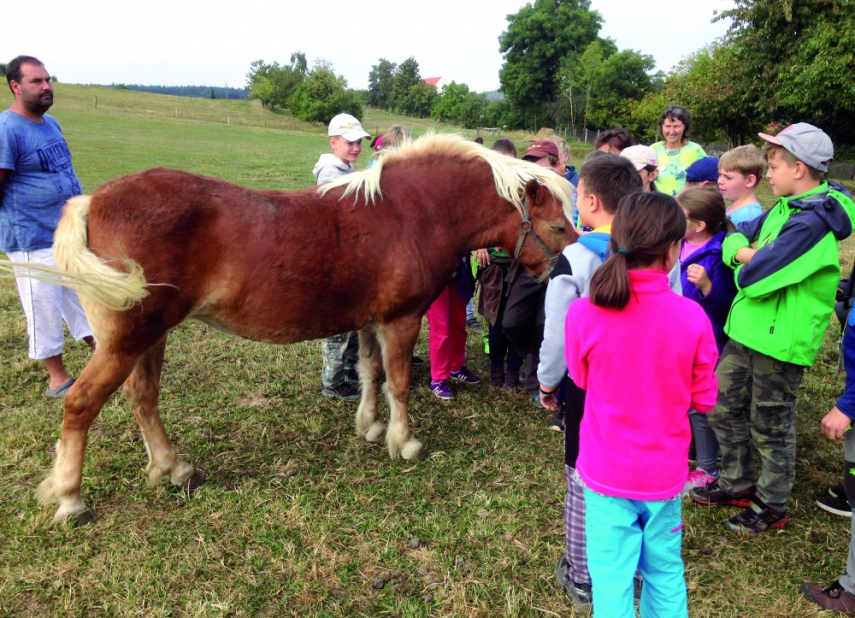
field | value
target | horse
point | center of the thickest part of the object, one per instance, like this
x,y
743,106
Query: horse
x,y
369,251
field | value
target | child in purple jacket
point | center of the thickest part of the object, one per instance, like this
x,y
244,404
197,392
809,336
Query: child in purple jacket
x,y
708,281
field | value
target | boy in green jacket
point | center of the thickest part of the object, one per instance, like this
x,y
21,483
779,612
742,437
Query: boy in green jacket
x,y
787,271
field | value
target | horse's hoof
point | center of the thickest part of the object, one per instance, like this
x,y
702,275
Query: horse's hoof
x,y
376,432
194,482
414,451
84,519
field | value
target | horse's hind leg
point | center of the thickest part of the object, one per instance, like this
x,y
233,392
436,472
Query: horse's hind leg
x,y
370,371
99,379
398,340
142,389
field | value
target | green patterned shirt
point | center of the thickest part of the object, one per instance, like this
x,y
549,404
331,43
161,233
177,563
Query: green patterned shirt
x,y
672,180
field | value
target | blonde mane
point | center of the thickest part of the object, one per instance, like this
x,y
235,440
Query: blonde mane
x,y
510,175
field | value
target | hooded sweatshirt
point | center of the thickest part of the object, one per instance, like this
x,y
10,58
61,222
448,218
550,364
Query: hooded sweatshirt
x,y
785,296
330,167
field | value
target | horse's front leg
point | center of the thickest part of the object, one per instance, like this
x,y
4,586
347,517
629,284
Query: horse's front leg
x,y
370,372
398,340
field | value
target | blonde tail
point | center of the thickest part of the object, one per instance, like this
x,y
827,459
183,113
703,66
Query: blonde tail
x,y
82,270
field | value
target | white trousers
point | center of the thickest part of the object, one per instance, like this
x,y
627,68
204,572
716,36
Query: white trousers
x,y
46,305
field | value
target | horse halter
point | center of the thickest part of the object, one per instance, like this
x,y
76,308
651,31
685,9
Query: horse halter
x,y
526,229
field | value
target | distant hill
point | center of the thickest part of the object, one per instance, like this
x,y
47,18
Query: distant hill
x,y
199,92
494,95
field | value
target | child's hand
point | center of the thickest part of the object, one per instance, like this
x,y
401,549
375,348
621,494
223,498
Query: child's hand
x,y
482,256
834,424
549,398
697,274
744,255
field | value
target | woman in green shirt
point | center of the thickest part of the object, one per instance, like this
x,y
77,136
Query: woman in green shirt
x,y
675,152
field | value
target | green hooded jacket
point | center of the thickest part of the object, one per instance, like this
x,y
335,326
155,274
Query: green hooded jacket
x,y
786,294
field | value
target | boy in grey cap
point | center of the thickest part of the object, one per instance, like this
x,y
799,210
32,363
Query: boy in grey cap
x,y
787,270
341,352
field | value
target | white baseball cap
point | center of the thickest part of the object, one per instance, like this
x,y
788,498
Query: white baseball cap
x,y
348,127
642,156
806,142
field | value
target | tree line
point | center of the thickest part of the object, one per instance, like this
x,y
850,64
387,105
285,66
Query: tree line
x,y
203,92
781,61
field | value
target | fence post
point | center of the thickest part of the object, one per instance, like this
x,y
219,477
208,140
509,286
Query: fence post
x,y
96,102
176,112
228,120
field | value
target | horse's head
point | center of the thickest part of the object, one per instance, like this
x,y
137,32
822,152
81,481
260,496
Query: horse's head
x,y
544,230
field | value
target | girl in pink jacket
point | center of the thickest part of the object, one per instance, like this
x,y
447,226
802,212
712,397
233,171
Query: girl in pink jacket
x,y
645,356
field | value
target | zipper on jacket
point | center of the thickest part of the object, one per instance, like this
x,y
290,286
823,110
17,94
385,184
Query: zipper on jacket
x,y
775,319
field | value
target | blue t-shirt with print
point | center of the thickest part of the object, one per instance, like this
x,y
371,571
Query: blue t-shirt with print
x,y
40,180
749,212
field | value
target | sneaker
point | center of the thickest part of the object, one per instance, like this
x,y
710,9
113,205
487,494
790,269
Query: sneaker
x,y
473,324
346,391
837,491
698,478
512,381
557,422
497,375
756,519
835,505
417,361
464,375
441,389
834,597
579,595
713,495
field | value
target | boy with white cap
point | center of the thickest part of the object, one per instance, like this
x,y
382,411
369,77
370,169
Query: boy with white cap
x,y
646,162
341,352
346,135
787,272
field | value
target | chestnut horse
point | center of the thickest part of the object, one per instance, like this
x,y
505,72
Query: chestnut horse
x,y
368,252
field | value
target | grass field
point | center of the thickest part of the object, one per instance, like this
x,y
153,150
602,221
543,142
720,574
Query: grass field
x,y
299,517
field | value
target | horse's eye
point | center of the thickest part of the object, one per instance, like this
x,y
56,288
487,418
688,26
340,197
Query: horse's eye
x,y
558,229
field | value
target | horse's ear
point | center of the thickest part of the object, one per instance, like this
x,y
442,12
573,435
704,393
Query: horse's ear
x,y
534,190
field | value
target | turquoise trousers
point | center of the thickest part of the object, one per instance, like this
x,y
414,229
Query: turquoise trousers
x,y
627,534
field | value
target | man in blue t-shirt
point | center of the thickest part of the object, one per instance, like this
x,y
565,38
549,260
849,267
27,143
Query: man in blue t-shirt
x,y
36,179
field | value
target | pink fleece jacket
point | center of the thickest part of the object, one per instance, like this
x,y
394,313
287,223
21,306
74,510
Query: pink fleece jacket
x,y
643,368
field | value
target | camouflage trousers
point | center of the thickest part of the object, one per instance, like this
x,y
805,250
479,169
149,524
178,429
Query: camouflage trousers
x,y
755,409
341,355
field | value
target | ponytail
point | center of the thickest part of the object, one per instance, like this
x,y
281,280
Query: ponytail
x,y
645,227
610,283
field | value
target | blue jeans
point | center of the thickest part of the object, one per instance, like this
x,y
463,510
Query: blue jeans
x,y
624,534
706,444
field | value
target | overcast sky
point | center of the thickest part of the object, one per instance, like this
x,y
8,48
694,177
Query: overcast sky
x,y
189,42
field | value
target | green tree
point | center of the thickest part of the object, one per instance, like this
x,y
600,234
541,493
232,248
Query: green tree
x,y
796,60
623,75
213,95
420,99
273,84
710,84
380,81
258,84
538,37
448,105
2,68
406,76
324,94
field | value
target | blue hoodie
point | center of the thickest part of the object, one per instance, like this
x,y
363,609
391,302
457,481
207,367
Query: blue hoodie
x,y
717,303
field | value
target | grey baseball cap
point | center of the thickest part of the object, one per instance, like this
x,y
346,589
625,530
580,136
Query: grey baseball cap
x,y
348,127
806,142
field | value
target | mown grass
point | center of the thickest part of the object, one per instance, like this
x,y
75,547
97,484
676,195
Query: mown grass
x,y
299,516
